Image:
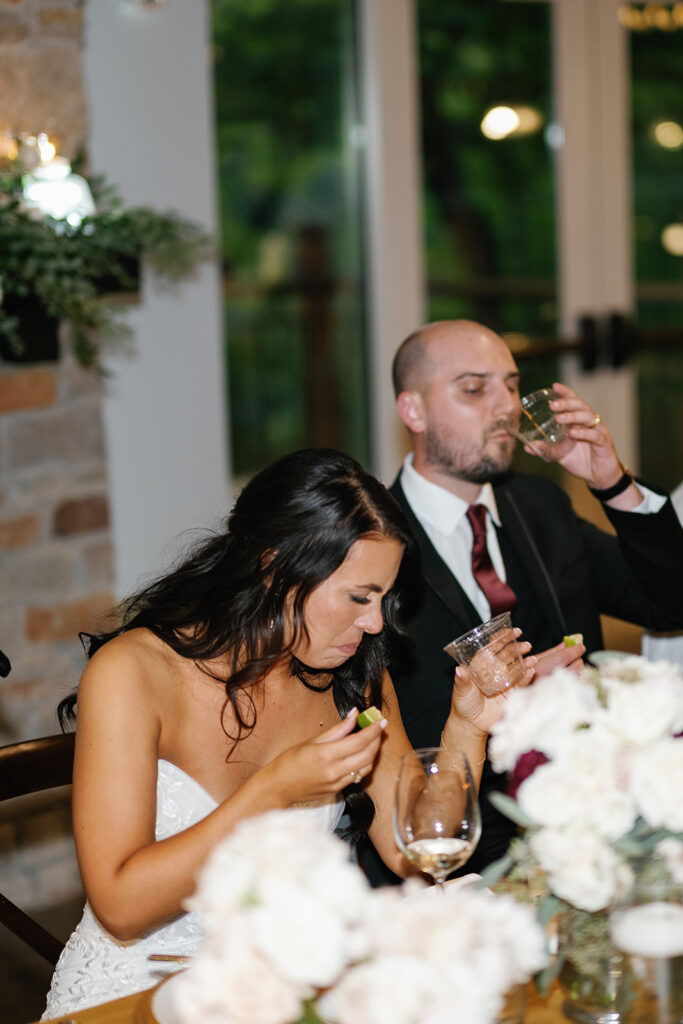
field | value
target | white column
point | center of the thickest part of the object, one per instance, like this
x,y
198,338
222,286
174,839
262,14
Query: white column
x,y
393,190
147,80
594,196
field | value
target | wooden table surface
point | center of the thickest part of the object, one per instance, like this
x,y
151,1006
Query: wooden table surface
x,y
136,1009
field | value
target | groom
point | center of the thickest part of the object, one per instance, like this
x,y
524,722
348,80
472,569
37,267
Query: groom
x,y
491,538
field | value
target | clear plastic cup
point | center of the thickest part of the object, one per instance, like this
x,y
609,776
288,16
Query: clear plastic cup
x,y
492,655
539,429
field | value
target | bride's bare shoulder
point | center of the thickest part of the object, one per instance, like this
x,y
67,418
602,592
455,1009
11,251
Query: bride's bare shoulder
x,y
136,658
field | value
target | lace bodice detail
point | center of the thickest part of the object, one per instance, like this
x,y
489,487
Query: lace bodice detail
x,y
94,966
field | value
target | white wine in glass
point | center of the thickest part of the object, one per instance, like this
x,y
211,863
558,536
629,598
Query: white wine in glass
x,y
436,815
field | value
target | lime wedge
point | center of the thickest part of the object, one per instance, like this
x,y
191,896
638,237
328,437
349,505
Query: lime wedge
x,y
367,717
573,639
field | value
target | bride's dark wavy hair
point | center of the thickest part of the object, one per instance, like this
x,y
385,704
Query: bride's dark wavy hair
x,y
289,530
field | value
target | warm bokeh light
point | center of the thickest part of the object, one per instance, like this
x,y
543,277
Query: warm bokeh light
x,y
46,149
8,146
502,121
666,17
530,120
668,134
499,122
672,239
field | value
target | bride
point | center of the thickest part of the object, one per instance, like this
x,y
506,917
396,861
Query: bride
x,y
232,687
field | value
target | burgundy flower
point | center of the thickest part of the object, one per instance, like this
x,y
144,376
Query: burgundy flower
x,y
526,765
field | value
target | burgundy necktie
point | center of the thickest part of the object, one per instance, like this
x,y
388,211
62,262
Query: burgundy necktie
x,y
499,595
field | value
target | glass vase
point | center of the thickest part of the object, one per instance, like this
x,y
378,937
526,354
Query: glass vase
x,y
595,977
647,926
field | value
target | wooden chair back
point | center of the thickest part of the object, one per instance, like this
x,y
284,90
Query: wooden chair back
x,y
34,766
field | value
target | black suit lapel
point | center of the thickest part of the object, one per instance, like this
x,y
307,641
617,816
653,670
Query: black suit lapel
x,y
520,535
435,571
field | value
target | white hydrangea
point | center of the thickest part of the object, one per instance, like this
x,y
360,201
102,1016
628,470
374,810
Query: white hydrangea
x,y
583,868
437,960
657,784
541,717
580,787
229,983
288,850
387,990
287,917
278,899
650,706
305,941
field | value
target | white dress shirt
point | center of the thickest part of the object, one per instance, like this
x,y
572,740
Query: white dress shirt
x,y
443,516
444,519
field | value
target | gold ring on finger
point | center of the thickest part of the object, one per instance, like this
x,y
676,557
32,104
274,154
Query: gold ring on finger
x,y
596,419
356,777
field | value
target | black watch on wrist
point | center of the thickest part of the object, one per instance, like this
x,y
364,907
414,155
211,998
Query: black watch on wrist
x,y
624,481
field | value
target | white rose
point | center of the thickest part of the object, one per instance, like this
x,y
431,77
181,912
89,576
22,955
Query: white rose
x,y
235,989
303,940
393,989
657,784
495,940
541,717
277,848
643,711
515,928
463,994
582,868
340,885
387,990
581,787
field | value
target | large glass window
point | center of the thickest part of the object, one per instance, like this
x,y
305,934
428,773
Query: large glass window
x,y
657,133
287,131
485,82
488,195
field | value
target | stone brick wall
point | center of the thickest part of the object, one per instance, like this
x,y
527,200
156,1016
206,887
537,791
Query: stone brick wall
x,y
41,88
55,543
56,568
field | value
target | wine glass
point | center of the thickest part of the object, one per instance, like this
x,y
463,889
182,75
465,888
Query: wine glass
x,y
436,815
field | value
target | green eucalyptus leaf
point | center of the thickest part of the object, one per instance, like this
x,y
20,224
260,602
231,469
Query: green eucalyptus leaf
x,y
507,806
546,908
544,979
494,872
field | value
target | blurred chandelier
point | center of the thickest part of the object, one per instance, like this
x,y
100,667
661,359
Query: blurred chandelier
x,y
51,189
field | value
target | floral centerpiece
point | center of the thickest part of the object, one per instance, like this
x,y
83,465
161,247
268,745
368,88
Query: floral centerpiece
x,y
597,764
293,933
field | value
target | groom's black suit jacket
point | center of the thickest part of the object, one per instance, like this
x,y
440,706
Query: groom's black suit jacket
x,y
565,573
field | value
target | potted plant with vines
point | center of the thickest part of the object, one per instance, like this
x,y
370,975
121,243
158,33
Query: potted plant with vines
x,y
61,272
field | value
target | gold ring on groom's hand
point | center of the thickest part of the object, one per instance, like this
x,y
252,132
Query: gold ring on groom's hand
x,y
355,777
596,419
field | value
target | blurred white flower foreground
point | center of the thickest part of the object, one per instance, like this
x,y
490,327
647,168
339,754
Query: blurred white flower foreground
x,y
293,932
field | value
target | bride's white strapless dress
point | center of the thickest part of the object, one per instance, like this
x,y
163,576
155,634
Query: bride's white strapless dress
x,y
94,966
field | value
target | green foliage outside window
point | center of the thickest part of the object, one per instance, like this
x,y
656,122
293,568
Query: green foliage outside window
x,y
291,247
